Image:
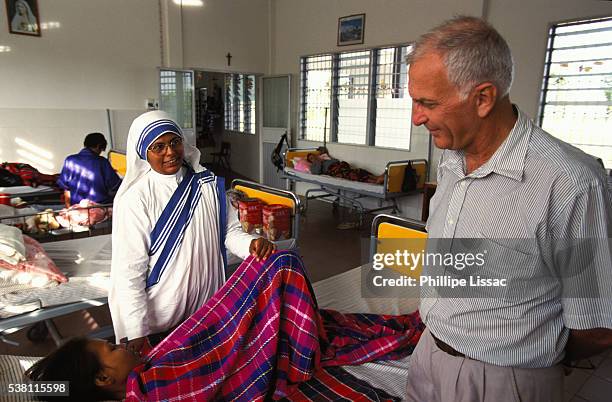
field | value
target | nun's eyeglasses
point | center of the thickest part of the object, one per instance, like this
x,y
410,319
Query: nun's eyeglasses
x,y
160,147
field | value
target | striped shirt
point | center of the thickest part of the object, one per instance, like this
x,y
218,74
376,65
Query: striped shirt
x,y
535,190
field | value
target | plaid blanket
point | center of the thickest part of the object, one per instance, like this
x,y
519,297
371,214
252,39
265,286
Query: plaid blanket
x,y
261,336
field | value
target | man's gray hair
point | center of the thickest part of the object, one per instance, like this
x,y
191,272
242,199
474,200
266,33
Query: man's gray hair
x,y
472,51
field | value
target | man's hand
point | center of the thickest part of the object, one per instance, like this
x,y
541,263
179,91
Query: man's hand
x,y
261,249
135,345
585,343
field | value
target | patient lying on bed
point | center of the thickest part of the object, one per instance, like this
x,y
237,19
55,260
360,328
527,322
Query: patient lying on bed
x,y
260,336
324,164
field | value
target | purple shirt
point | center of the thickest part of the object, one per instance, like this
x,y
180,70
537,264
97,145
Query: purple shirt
x,y
89,176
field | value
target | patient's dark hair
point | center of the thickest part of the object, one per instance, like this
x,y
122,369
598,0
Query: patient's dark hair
x,y
94,139
75,363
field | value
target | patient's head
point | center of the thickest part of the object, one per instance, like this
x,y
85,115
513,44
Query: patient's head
x,y
312,157
97,370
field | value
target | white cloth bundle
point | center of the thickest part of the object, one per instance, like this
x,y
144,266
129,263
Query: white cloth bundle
x,y
12,249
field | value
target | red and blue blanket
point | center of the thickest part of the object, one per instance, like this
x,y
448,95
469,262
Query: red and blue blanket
x,y
262,337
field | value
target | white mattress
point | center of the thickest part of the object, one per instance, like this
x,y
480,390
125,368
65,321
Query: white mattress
x,y
342,292
25,190
86,263
348,185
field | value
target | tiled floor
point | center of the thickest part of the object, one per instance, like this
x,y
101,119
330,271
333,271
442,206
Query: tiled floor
x,y
326,251
593,385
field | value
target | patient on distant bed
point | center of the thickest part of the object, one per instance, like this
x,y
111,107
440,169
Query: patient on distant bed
x,y
260,336
322,163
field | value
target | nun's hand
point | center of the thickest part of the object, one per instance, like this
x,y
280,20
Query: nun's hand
x,y
261,248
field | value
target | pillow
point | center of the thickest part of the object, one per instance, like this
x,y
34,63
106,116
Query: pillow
x,y
302,166
12,249
37,270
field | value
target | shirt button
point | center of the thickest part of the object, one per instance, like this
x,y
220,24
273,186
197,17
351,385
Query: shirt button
x,y
450,221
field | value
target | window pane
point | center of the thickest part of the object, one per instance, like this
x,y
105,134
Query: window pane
x,y
353,82
316,78
393,104
276,93
176,90
229,102
577,104
249,105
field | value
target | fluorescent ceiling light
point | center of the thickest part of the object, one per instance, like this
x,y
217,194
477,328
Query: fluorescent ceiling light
x,y
189,3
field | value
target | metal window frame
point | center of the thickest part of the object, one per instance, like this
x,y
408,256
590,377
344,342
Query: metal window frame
x,y
550,48
371,111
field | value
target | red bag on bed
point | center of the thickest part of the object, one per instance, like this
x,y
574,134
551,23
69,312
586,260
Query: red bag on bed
x,y
29,175
37,262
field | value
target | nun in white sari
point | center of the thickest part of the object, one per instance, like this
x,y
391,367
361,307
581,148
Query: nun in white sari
x,y
171,227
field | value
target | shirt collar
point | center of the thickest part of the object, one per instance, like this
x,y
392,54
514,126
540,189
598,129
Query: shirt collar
x,y
87,151
508,160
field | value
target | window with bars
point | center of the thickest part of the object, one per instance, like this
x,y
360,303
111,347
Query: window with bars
x,y
358,97
351,100
316,81
176,91
239,102
576,101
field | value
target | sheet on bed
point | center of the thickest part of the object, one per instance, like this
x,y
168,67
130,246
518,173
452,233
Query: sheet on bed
x,y
342,292
260,332
337,182
86,263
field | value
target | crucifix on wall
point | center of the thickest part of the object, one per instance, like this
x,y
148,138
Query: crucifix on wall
x,y
229,58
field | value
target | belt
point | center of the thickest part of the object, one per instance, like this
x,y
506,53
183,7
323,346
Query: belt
x,y
446,347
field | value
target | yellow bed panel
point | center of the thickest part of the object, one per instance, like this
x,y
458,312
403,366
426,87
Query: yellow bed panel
x,y
396,176
393,238
266,197
302,153
118,162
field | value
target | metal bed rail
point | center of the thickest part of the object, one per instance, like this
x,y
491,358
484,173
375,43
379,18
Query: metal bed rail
x,y
297,204
340,193
62,233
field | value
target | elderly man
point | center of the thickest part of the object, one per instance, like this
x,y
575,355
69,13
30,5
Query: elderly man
x,y
501,177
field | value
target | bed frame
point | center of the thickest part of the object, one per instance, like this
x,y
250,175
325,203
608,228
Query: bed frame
x,y
347,192
272,195
73,232
42,317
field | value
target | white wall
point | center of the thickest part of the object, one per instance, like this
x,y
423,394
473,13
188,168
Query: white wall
x,y
102,56
56,88
239,27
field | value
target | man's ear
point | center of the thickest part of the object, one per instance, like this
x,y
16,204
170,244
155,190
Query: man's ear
x,y
486,97
103,379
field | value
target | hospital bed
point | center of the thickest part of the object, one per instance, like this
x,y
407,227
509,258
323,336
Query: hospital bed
x,y
341,292
98,218
269,195
350,192
40,195
86,263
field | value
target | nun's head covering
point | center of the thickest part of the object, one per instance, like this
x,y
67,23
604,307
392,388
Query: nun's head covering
x,y
145,129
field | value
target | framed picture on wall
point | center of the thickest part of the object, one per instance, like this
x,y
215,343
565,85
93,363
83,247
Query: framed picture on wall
x,y
351,29
23,17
